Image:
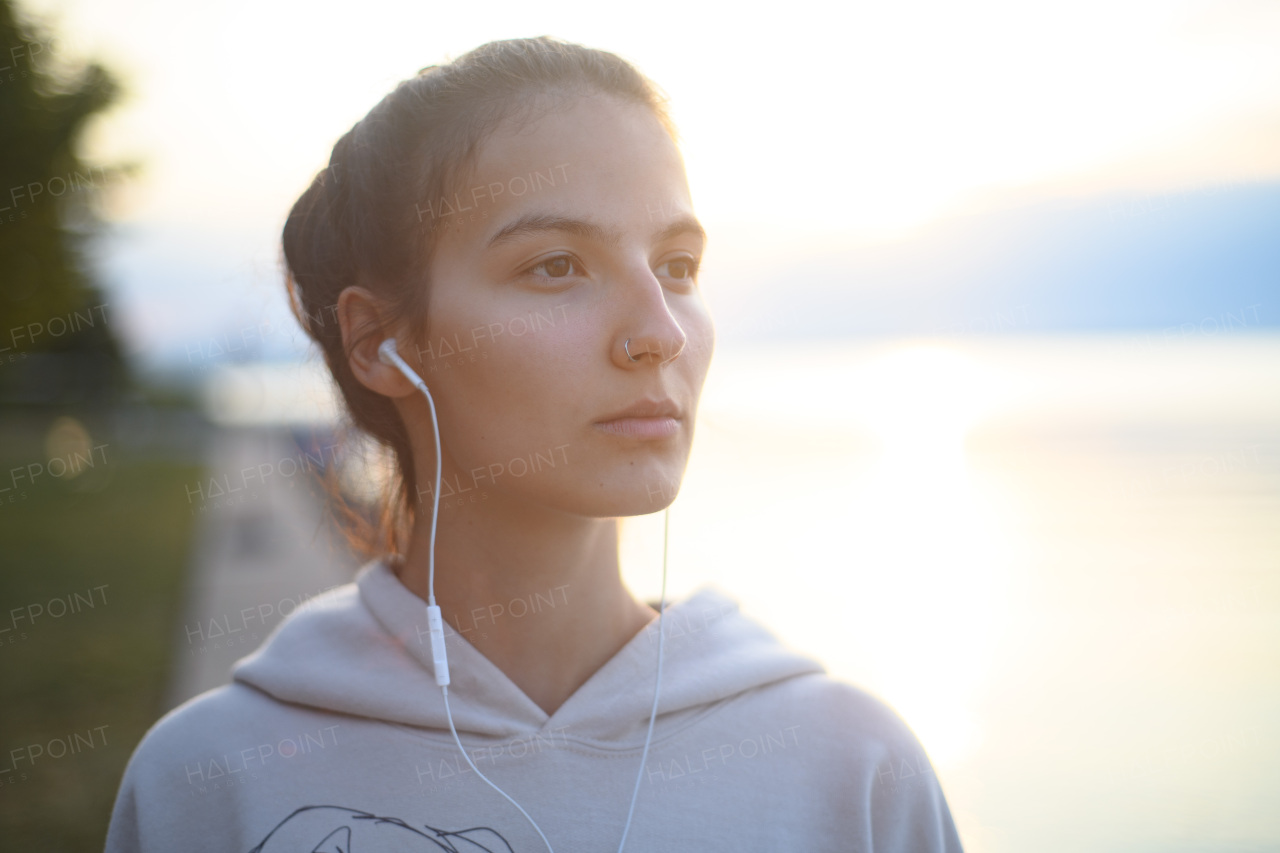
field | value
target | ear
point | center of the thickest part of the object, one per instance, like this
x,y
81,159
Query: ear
x,y
360,316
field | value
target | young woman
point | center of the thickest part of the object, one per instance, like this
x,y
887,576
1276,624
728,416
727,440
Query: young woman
x,y
500,266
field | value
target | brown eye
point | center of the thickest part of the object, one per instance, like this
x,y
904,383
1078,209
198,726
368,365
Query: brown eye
x,y
557,267
683,269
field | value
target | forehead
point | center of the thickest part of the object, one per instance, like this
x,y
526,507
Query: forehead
x,y
588,155
595,130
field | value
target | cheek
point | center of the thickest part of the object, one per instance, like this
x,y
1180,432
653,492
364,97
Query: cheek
x,y
527,376
520,417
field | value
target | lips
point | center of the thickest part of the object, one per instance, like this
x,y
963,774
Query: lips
x,y
664,408
644,419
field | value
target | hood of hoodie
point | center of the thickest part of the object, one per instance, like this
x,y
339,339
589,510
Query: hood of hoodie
x,y
363,649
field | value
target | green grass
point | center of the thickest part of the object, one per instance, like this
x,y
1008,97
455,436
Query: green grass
x,y
119,525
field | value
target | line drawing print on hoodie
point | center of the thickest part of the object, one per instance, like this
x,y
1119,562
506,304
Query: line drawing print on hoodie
x,y
332,736
296,831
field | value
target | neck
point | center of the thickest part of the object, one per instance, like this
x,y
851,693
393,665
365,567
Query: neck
x,y
538,592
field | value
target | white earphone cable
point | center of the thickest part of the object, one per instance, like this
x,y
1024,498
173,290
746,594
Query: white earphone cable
x,y
388,355
458,741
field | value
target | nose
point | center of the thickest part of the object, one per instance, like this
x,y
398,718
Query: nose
x,y
647,331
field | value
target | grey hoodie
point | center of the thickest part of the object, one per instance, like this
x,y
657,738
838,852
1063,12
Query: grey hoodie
x,y
333,737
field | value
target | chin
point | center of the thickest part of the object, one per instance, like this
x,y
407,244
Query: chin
x,y
638,491
623,506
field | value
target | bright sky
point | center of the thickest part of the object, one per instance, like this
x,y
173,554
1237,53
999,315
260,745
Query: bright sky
x,y
817,123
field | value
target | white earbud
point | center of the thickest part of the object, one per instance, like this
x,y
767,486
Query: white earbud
x,y
388,354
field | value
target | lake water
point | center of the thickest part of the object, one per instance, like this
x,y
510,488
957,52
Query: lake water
x,y
1057,557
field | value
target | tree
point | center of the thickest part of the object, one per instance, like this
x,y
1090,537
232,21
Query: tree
x,y
57,339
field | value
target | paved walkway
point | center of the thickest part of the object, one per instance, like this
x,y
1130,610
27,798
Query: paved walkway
x,y
262,546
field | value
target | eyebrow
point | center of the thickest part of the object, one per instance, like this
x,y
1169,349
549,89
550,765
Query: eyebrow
x,y
535,223
683,225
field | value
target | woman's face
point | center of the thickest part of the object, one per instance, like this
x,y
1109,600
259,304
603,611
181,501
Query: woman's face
x,y
574,233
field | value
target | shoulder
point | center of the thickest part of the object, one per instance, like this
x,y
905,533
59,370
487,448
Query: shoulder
x,y
188,782
866,759
844,714
204,722
153,802
232,725
880,761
